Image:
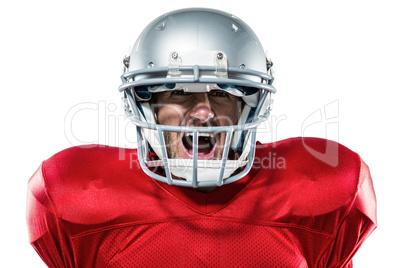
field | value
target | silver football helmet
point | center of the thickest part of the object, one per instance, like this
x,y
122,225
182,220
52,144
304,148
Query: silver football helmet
x,y
197,50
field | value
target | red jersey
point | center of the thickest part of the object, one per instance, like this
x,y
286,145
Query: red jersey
x,y
93,206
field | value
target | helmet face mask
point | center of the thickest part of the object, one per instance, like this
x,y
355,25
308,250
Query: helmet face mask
x,y
170,74
196,105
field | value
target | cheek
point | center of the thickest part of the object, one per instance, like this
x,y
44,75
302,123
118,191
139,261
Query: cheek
x,y
229,114
169,115
236,111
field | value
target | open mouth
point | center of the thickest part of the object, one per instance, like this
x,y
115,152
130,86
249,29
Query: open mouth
x,y
206,144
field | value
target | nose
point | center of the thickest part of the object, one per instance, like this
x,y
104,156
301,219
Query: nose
x,y
202,108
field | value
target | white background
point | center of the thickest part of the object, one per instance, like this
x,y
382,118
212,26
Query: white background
x,y
55,55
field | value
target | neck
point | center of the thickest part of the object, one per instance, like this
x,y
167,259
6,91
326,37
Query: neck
x,y
206,189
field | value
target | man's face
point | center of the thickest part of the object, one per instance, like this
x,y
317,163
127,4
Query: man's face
x,y
207,109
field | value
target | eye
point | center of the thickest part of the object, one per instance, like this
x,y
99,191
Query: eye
x,y
219,93
179,92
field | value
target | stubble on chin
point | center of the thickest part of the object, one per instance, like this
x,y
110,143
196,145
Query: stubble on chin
x,y
171,144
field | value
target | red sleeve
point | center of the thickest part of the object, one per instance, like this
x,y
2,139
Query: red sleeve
x,y
45,233
355,227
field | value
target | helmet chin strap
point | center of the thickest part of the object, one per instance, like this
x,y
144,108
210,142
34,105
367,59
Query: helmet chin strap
x,y
207,170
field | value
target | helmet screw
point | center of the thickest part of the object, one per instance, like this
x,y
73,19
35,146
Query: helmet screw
x,y
219,56
161,27
151,65
175,55
242,66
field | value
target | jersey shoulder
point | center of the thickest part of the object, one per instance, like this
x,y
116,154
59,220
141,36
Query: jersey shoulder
x,y
314,175
82,163
90,166
94,184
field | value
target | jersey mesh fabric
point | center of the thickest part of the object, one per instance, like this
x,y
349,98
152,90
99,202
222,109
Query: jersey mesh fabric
x,y
200,243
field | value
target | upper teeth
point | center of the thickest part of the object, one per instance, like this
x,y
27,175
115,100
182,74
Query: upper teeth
x,y
200,135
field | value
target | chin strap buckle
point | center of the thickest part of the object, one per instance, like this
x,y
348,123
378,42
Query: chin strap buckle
x,y
126,106
126,63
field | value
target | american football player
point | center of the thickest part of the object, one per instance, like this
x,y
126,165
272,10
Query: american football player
x,y
197,85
